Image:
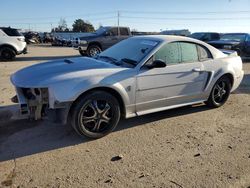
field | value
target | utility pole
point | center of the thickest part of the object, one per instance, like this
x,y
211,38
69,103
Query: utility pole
x,y
51,27
118,22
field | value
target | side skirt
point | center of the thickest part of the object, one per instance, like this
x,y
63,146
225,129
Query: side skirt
x,y
167,108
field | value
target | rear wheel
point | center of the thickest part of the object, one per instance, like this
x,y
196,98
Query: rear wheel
x,y
93,50
220,92
7,53
95,115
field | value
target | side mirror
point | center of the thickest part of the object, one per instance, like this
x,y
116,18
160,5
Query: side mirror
x,y
157,64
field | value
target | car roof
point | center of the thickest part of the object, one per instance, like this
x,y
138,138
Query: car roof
x,y
206,32
8,28
114,27
235,33
169,38
173,38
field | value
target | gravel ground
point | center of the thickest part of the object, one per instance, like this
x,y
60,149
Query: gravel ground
x,y
185,147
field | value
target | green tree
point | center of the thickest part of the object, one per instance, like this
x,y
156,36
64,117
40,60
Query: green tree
x,y
80,25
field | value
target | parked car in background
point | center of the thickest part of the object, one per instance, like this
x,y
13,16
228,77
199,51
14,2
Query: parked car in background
x,y
32,37
61,42
100,40
239,42
205,36
46,37
179,32
140,75
12,43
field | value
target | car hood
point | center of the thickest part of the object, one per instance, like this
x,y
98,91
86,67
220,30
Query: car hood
x,y
44,74
224,42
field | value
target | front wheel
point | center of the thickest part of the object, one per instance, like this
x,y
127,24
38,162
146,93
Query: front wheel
x,y
95,115
93,50
219,93
7,53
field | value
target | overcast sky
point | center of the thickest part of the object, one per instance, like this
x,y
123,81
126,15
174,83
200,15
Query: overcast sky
x,y
142,15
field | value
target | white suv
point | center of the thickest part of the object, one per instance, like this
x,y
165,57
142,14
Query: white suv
x,y
12,43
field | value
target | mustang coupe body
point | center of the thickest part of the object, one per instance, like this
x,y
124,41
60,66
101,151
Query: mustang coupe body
x,y
137,76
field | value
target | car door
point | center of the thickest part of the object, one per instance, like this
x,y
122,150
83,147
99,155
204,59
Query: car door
x,y
181,81
111,38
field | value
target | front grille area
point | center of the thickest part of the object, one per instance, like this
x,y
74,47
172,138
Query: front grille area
x,y
36,101
36,94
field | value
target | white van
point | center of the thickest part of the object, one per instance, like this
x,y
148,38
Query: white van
x,y
12,43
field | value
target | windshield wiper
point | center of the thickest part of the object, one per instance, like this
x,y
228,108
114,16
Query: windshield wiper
x,y
129,61
113,60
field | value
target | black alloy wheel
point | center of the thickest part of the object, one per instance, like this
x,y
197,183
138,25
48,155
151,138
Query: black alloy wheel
x,y
96,114
220,92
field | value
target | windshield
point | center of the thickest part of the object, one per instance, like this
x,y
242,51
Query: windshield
x,y
130,50
197,35
101,30
236,37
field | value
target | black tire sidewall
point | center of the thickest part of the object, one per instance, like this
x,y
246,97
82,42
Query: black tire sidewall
x,y
8,50
80,105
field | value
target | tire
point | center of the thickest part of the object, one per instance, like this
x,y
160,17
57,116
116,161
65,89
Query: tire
x,y
101,112
82,53
93,50
219,93
7,53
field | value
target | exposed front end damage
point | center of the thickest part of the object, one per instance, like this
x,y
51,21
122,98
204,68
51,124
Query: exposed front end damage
x,y
35,103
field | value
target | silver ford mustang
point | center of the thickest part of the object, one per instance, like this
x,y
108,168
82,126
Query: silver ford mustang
x,y
137,76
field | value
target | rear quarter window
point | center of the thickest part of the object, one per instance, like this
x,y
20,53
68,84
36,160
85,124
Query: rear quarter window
x,y
204,53
11,32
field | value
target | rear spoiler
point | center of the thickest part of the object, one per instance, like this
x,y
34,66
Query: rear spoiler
x,y
229,52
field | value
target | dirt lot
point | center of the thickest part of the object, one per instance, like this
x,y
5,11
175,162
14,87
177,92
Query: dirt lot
x,y
186,147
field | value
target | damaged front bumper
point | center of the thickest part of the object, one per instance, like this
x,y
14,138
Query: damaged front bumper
x,y
35,103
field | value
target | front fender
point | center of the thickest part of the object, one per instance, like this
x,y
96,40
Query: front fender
x,y
68,92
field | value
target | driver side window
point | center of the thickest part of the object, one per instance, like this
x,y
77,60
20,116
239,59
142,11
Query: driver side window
x,y
113,31
169,53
